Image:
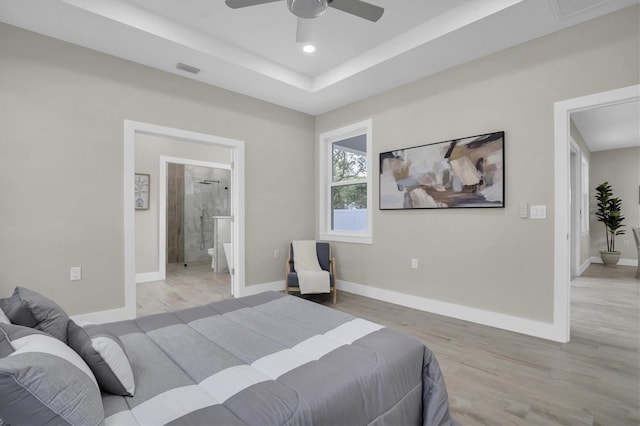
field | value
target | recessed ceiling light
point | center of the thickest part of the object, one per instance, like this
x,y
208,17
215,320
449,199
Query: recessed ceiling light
x,y
309,48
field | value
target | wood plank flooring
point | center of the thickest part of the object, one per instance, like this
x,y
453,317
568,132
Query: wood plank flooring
x,y
496,377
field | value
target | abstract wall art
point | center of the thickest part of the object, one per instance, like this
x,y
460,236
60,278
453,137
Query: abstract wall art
x,y
458,173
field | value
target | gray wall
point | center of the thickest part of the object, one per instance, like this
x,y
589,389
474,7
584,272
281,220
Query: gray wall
x,y
621,168
585,238
62,109
488,259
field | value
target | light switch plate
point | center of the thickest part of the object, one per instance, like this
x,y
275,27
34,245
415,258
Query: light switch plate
x,y
538,212
75,273
524,210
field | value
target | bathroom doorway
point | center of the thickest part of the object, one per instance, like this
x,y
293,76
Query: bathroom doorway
x,y
198,216
198,223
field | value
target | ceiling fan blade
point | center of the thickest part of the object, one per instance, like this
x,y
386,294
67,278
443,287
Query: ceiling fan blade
x,y
237,4
359,8
303,30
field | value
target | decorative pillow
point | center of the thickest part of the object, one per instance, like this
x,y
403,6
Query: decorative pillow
x,y
3,318
31,309
105,356
43,381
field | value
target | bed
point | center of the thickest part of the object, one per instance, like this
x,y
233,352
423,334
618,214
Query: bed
x,y
267,359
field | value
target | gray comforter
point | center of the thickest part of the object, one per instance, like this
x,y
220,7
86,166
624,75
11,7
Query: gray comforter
x,y
272,359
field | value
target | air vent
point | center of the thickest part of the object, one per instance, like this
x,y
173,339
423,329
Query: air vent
x,y
187,68
566,8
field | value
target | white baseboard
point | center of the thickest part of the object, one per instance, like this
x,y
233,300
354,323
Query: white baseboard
x,y
621,262
584,266
111,315
261,288
493,319
146,277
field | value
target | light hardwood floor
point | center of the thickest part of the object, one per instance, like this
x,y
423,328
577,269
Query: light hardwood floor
x,y
495,377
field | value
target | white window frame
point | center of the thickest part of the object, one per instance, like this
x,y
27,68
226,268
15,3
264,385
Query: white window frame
x,y
325,175
584,194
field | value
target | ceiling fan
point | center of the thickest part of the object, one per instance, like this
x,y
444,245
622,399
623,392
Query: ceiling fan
x,y
306,10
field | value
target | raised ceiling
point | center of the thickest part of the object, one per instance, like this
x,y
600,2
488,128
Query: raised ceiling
x,y
253,50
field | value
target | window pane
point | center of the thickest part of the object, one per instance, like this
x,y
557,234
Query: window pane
x,y
349,159
349,207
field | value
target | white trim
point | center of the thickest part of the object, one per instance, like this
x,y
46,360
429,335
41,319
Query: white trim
x,y
261,288
162,203
146,277
584,266
493,319
575,165
324,211
621,262
562,112
237,202
102,317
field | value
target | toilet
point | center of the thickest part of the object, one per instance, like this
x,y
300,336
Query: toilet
x,y
227,254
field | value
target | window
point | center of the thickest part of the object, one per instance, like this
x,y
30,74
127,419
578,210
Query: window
x,y
345,184
584,182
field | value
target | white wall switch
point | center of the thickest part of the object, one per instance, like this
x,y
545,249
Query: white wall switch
x,y
75,273
276,253
414,263
524,210
538,212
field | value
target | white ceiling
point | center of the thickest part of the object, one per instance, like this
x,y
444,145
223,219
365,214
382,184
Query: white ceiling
x,y
253,50
610,127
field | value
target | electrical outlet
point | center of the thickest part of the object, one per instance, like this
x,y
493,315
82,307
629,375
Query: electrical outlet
x,y
75,273
276,253
414,263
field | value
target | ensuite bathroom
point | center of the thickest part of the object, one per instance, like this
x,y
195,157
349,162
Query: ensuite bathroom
x,y
199,217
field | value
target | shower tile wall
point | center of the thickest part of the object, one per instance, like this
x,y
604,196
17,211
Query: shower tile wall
x,y
204,200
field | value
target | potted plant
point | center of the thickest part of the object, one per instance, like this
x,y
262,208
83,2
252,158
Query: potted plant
x,y
610,213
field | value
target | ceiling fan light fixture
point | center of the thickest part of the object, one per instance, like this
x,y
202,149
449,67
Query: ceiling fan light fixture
x,y
307,8
309,48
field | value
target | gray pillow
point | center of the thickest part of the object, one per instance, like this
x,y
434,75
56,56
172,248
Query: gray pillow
x,y
105,356
43,381
30,309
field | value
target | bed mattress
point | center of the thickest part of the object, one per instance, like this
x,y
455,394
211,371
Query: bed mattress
x,y
272,359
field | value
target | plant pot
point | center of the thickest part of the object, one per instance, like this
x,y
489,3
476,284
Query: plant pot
x,y
610,258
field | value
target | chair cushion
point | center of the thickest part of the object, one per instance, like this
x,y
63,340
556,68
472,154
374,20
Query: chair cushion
x,y
31,309
43,381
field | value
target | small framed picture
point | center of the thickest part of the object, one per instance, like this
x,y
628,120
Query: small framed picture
x,y
142,191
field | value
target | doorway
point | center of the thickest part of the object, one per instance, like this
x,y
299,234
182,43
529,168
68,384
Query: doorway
x,y
562,198
198,221
236,149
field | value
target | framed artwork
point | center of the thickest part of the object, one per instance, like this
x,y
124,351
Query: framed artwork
x,y
142,191
458,173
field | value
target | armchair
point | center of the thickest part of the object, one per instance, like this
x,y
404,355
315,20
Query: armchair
x,y
326,261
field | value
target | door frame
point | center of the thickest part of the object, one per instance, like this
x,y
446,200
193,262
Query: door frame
x,y
131,128
562,115
575,184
